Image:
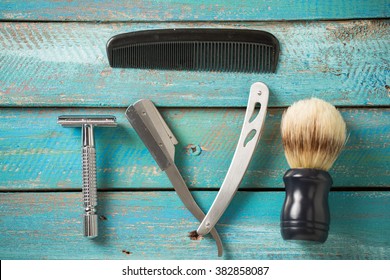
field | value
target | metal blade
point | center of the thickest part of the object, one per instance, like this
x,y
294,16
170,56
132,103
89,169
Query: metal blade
x,y
160,141
249,138
154,132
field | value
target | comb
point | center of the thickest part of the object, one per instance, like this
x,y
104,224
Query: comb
x,y
227,50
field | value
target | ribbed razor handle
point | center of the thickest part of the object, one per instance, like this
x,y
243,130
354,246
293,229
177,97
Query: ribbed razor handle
x,y
89,191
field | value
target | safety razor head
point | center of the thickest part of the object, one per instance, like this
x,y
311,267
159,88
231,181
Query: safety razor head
x,y
79,120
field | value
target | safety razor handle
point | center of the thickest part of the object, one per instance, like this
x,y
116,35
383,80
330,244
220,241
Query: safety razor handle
x,y
89,188
89,182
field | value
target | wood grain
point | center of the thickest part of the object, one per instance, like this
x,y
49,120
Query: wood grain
x,y
162,10
154,225
64,64
52,55
37,153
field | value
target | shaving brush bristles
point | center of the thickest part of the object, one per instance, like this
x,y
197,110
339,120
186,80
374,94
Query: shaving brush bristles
x,y
313,134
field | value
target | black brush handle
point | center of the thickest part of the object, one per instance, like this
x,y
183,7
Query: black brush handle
x,y
305,212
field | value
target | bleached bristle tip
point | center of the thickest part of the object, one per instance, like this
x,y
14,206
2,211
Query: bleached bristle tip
x,y
313,134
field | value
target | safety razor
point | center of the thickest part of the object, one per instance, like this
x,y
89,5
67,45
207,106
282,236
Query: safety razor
x,y
87,124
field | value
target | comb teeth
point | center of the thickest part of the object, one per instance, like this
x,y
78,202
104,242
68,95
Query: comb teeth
x,y
199,56
227,50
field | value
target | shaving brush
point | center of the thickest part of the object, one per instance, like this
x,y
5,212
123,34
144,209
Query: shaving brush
x,y
313,134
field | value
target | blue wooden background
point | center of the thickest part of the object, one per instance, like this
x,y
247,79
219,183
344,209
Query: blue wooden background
x,y
53,62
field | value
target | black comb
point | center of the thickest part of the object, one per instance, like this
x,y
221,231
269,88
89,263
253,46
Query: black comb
x,y
229,50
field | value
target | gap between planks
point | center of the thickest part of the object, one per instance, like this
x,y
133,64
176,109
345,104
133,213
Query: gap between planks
x,y
250,21
2,106
117,190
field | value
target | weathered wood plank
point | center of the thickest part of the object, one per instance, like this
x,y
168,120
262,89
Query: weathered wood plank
x,y
154,225
64,64
162,10
37,153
